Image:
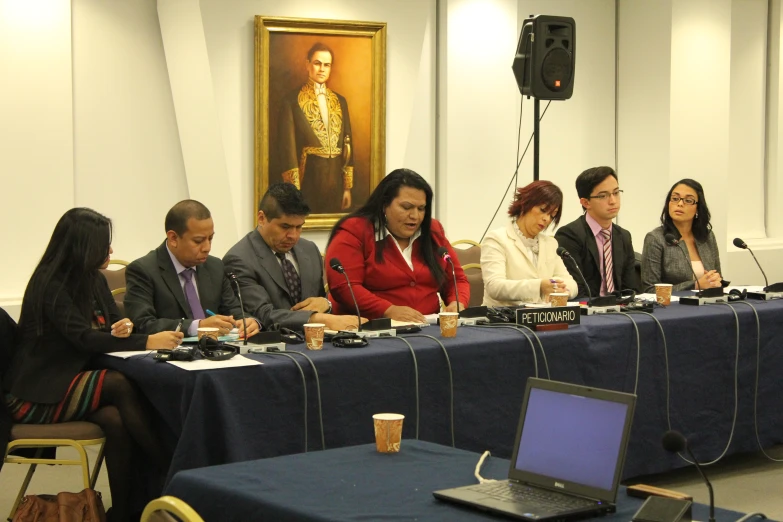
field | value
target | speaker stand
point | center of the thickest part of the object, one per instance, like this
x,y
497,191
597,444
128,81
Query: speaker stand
x,y
536,132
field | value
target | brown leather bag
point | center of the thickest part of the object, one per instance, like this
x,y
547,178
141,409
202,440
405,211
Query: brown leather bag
x,y
85,506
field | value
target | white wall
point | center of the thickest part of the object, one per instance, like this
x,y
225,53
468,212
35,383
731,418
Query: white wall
x,y
36,134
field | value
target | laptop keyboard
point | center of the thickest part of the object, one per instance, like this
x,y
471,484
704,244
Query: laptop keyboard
x,y
542,498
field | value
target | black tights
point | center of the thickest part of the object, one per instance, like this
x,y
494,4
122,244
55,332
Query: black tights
x,y
124,419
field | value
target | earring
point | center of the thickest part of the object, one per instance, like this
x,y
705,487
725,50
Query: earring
x,y
696,216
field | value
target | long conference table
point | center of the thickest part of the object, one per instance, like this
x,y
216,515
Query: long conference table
x,y
230,415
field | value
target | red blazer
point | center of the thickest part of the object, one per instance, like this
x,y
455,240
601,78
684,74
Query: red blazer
x,y
380,285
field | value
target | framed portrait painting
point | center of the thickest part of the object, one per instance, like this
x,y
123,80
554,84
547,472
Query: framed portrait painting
x,y
320,111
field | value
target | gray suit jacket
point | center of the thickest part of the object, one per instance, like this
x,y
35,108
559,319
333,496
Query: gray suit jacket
x,y
264,292
155,300
662,263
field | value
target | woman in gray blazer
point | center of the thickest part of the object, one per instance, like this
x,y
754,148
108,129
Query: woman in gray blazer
x,y
692,250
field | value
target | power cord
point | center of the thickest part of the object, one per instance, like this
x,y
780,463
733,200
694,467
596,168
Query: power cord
x,y
638,348
317,389
416,377
514,176
451,381
477,470
756,391
521,329
304,387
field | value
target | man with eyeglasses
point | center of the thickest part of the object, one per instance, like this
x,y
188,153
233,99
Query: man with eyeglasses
x,y
602,249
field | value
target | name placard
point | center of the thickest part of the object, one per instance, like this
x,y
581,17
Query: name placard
x,y
535,317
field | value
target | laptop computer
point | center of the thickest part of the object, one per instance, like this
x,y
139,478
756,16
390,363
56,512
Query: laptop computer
x,y
568,455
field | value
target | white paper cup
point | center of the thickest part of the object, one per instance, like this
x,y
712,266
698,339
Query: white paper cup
x,y
314,335
663,293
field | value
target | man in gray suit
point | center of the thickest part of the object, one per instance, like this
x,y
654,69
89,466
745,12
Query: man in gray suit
x,y
179,279
280,274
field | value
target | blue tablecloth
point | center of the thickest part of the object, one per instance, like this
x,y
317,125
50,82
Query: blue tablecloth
x,y
230,415
355,483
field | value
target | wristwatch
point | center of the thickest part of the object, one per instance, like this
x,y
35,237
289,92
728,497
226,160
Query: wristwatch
x,y
329,311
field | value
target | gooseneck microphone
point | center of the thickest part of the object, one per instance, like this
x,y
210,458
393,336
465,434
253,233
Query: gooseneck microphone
x,y
744,246
675,442
443,252
563,253
673,241
233,278
335,265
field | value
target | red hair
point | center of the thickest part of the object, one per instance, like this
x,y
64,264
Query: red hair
x,y
535,194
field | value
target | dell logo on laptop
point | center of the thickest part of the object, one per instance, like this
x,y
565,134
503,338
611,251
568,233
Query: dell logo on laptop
x,y
559,485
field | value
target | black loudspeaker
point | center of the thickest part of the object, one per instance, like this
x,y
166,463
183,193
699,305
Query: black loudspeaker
x,y
544,63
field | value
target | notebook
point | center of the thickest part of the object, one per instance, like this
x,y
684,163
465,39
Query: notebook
x,y
568,455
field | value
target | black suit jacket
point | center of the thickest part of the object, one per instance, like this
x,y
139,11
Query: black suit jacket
x,y
154,299
9,337
264,290
578,239
44,365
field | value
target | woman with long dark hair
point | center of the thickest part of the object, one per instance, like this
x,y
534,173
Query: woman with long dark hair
x,y
686,217
389,248
519,264
68,315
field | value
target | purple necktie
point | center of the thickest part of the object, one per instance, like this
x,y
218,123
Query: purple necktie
x,y
292,279
191,295
608,262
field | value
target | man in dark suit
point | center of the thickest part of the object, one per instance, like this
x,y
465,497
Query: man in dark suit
x,y
179,279
601,248
281,275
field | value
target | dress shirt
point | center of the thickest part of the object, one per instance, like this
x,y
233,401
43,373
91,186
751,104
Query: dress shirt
x,y
596,228
179,267
320,95
407,252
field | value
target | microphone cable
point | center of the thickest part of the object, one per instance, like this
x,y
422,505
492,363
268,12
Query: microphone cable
x,y
515,175
451,381
416,377
638,347
304,388
736,394
519,328
317,389
756,386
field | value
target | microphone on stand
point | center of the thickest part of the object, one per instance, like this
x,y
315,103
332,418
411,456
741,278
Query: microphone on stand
x,y
675,442
233,278
443,252
609,300
767,288
671,240
335,265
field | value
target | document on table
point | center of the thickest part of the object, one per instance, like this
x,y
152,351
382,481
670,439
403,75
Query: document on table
x,y
203,364
125,355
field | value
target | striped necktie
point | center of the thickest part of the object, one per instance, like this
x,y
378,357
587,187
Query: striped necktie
x,y
608,262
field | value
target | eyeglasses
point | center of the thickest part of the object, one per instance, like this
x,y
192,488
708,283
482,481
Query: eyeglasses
x,y
605,195
685,201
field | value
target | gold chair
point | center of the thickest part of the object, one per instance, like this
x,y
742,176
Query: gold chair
x,y
470,254
76,435
161,510
476,281
116,280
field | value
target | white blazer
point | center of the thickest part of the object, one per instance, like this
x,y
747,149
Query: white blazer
x,y
510,277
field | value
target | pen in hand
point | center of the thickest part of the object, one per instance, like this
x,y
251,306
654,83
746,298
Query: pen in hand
x,y
179,325
210,312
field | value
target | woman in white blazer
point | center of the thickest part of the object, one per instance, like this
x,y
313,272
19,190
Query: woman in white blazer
x,y
519,264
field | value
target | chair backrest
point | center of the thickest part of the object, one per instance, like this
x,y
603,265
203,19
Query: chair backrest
x,y
115,277
9,339
161,510
476,281
468,251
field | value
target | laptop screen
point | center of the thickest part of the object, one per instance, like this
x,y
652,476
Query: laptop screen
x,y
572,438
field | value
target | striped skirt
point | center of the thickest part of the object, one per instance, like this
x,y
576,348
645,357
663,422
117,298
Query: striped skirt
x,y
83,397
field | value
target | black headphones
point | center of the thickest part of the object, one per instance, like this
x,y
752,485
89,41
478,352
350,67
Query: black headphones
x,y
213,350
736,295
348,340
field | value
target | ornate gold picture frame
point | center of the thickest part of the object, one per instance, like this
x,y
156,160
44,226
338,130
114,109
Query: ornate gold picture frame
x,y
330,142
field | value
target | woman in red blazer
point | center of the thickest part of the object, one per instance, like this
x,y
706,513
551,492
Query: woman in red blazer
x,y
389,248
